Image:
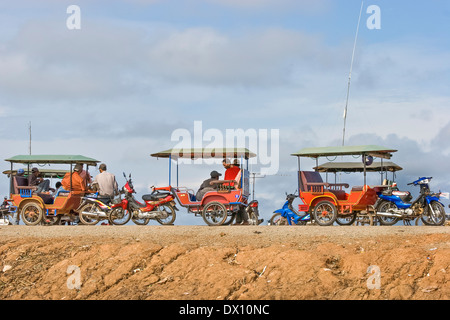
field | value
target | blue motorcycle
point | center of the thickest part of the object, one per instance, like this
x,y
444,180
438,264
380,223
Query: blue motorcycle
x,y
287,215
394,205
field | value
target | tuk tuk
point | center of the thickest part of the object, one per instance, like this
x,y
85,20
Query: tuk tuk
x,y
328,201
229,197
35,208
382,167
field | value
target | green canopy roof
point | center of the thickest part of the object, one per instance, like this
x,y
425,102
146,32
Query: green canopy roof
x,y
205,153
373,150
62,159
357,167
46,173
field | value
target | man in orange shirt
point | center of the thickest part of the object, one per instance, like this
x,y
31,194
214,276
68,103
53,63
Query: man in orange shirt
x,y
231,171
78,184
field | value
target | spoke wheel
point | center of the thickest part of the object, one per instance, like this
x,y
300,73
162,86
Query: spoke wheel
x,y
278,220
31,214
434,215
384,207
119,216
214,214
169,213
90,214
325,213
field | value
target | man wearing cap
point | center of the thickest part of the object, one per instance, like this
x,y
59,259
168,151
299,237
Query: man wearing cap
x,y
106,183
36,180
206,186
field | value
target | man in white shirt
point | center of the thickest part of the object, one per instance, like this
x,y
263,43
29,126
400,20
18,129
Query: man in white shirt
x,y
106,183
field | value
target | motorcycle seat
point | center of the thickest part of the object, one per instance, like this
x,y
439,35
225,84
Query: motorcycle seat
x,y
155,196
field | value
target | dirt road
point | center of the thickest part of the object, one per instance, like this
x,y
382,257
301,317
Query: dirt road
x,y
224,263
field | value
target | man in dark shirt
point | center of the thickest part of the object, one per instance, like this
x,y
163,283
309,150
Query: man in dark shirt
x,y
206,186
36,180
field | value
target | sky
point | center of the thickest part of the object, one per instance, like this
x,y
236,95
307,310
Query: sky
x,y
132,73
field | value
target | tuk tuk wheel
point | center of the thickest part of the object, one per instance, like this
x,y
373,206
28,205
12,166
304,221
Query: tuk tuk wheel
x,y
325,213
214,213
31,214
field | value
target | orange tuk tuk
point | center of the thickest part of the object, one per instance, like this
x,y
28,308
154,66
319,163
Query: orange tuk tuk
x,y
327,202
35,208
217,207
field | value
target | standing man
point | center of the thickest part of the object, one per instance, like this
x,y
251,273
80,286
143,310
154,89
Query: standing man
x,y
106,183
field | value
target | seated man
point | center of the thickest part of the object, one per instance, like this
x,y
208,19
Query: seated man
x,y
35,180
232,171
206,186
78,184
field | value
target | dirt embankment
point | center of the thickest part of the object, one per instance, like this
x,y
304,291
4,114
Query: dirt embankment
x,y
224,263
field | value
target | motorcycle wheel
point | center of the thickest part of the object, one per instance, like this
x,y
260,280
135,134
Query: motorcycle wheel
x,y
119,216
171,215
90,220
253,216
214,213
383,207
325,213
346,220
434,215
139,221
278,220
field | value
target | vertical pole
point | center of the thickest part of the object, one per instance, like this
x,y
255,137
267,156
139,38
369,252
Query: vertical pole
x,y
177,173
298,174
364,161
11,183
170,169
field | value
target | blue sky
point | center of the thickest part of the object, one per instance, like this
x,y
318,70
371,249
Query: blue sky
x,y
138,70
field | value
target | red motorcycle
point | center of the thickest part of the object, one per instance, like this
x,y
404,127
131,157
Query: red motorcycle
x,y
159,206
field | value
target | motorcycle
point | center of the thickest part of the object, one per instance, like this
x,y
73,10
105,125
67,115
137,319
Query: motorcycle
x,y
287,215
159,205
94,209
393,205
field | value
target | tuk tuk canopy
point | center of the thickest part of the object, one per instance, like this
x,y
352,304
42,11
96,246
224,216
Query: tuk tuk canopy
x,y
45,173
357,167
47,159
370,150
205,153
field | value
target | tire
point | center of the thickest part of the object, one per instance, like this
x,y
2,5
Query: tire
x,y
214,213
119,216
171,215
325,213
51,221
230,219
346,220
434,214
278,220
253,216
89,220
383,207
31,214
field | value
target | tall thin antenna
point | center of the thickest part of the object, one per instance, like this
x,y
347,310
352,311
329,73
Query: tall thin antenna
x,y
350,75
29,130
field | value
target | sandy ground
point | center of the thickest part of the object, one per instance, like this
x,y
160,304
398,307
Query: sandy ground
x,y
224,263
